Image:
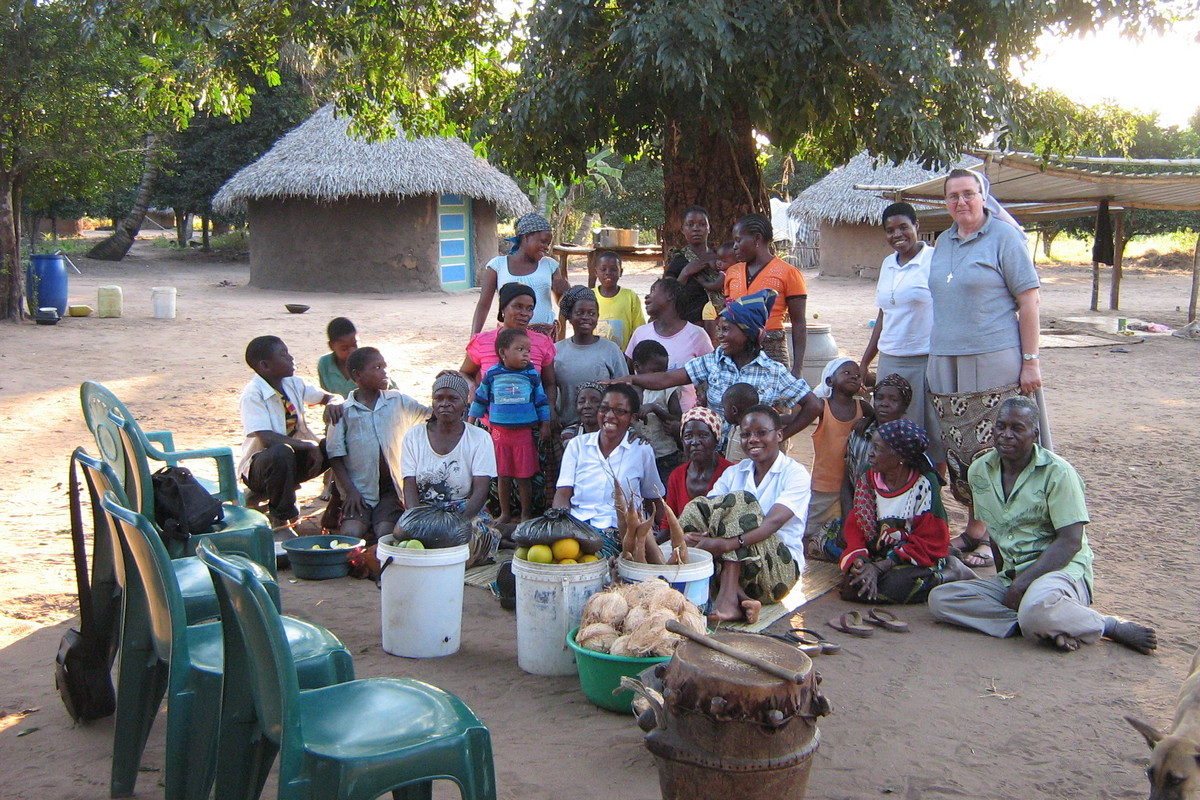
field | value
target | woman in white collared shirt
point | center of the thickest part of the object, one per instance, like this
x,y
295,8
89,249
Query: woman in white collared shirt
x,y
593,461
753,521
905,321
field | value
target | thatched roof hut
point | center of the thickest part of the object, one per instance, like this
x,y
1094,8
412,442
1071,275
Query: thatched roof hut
x,y
332,212
850,239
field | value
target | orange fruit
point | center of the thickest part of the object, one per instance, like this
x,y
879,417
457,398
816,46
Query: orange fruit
x,y
566,548
589,558
566,561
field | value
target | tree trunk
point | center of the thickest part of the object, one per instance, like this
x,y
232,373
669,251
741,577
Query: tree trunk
x,y
585,229
204,232
1048,236
117,245
183,228
12,297
707,167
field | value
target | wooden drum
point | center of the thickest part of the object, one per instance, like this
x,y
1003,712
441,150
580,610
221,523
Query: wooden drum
x,y
727,729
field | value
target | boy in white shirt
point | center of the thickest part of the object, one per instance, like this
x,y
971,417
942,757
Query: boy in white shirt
x,y
279,451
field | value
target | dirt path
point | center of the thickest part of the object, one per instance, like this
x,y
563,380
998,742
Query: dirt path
x,y
915,715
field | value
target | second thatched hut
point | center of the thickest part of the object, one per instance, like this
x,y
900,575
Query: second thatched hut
x,y
334,213
851,232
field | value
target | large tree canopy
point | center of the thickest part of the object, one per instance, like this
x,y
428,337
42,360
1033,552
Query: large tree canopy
x,y
696,81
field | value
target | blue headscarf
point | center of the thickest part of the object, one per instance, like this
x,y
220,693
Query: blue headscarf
x,y
750,313
530,223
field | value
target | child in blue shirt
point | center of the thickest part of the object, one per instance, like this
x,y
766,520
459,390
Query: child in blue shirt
x,y
512,397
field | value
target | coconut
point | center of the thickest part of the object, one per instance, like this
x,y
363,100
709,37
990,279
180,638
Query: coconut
x,y
644,592
634,620
669,599
597,636
651,633
605,607
693,620
621,647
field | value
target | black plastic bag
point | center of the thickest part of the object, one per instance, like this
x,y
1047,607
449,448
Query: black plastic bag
x,y
435,527
555,524
182,506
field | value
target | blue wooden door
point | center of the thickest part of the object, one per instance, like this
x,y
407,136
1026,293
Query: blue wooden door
x,y
454,242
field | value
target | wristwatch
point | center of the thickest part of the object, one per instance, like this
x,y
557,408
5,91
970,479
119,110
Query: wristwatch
x,y
1029,356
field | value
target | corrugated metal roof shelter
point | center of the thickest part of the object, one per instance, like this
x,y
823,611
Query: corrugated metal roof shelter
x,y
1073,186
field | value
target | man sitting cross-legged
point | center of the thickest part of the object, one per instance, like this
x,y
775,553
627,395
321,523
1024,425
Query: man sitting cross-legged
x,y
1032,502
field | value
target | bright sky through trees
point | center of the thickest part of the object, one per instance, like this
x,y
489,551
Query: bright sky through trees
x,y
1158,73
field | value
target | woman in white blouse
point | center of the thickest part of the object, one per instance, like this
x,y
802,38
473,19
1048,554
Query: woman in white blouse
x,y
592,462
902,329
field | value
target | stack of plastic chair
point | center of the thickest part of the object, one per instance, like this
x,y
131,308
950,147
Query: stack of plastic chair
x,y
130,450
162,654
352,741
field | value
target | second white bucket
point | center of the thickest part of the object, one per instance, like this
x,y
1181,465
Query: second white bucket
x,y
692,578
550,600
421,599
163,298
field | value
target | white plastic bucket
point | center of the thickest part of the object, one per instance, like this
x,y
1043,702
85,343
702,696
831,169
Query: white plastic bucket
x,y
691,578
550,600
421,599
109,300
163,298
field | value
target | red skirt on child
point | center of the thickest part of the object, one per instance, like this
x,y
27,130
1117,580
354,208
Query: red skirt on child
x,y
516,454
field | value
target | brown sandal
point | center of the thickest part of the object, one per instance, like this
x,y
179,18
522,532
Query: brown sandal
x,y
852,623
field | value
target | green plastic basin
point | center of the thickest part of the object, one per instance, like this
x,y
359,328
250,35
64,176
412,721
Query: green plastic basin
x,y
601,673
319,565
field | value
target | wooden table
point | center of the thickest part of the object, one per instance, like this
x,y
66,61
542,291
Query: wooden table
x,y
651,252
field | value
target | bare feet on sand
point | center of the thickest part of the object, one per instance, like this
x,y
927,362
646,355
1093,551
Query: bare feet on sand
x,y
730,607
1134,636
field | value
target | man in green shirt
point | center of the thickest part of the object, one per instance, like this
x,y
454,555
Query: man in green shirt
x,y
1032,503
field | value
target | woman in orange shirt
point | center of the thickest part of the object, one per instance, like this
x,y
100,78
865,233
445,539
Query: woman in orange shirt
x,y
758,269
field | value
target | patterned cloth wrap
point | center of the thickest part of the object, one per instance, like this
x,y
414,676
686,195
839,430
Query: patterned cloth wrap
x,y
750,313
966,420
485,539
768,569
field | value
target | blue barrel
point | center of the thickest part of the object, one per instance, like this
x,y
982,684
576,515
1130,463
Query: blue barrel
x,y
47,276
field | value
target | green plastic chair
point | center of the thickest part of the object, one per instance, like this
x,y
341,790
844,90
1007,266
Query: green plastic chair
x,y
98,403
352,741
161,654
195,584
242,530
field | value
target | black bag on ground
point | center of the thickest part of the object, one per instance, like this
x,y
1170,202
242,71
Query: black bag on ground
x,y
182,506
83,666
434,527
555,524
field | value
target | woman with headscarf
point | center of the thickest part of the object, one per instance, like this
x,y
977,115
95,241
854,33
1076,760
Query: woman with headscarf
x,y
739,358
526,263
984,342
450,464
897,537
517,306
701,432
759,269
584,357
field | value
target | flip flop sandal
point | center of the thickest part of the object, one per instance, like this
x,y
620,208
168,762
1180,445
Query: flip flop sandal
x,y
852,623
810,638
887,620
809,649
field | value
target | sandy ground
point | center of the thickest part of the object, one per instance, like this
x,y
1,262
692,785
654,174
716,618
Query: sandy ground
x,y
937,713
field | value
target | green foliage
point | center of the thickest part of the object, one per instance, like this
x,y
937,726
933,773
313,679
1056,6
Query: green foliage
x,y
380,56
822,79
212,149
638,203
